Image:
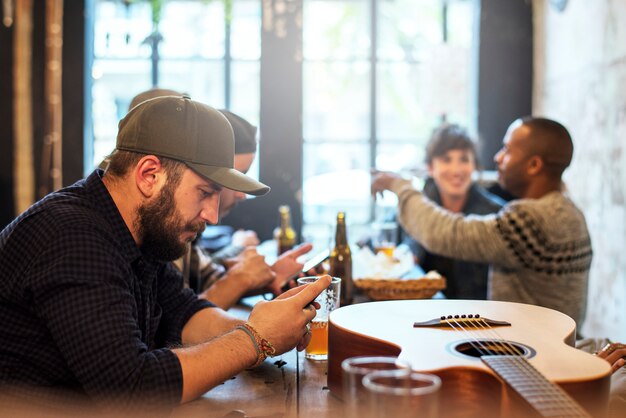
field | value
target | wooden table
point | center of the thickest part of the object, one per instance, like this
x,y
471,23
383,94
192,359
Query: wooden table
x,y
284,386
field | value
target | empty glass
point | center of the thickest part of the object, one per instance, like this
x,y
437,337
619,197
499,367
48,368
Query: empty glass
x,y
355,397
401,395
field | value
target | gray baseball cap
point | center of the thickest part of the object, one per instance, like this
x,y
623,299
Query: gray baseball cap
x,y
182,129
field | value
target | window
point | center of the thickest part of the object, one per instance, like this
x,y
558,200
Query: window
x,y
209,49
378,76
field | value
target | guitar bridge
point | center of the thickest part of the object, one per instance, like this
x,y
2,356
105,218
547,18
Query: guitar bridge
x,y
461,321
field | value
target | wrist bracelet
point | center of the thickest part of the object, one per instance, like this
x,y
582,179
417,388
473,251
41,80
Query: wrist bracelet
x,y
263,347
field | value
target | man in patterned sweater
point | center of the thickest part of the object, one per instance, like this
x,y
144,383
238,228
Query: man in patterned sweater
x,y
538,245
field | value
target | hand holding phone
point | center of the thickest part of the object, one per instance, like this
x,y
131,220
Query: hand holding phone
x,y
315,261
312,263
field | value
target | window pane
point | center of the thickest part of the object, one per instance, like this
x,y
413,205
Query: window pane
x,y
402,157
336,29
445,87
336,177
245,100
114,87
203,80
336,101
246,30
413,98
119,31
406,26
245,91
401,114
461,22
192,29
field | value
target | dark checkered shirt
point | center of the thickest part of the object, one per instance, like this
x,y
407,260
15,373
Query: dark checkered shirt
x,y
81,308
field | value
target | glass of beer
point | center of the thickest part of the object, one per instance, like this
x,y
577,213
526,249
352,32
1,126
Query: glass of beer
x,y
329,301
384,237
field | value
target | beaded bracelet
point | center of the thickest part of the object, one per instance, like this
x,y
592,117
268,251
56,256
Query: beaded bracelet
x,y
263,347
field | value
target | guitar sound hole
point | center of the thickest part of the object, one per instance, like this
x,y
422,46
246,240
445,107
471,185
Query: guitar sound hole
x,y
481,348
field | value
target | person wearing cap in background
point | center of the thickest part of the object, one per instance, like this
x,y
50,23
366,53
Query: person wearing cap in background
x,y
90,303
236,270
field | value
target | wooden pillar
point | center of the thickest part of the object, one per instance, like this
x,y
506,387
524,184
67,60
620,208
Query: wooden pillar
x,y
7,120
23,168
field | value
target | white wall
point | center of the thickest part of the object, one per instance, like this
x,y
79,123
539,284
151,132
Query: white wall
x,y
580,80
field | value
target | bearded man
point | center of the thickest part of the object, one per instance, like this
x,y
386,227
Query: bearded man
x,y
238,269
90,303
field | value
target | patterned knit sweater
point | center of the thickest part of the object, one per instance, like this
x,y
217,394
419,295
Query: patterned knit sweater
x,y
539,249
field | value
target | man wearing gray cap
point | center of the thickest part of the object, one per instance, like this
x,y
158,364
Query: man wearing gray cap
x,y
89,302
238,269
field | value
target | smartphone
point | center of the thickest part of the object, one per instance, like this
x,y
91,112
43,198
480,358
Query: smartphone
x,y
311,263
315,261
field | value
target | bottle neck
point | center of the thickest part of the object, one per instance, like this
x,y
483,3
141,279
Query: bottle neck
x,y
340,234
285,219
285,222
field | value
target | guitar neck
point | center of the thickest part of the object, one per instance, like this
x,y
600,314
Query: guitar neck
x,y
548,399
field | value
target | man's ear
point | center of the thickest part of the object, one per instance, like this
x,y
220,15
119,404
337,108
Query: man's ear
x,y
149,175
535,165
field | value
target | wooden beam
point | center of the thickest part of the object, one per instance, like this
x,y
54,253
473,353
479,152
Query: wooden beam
x,y
23,171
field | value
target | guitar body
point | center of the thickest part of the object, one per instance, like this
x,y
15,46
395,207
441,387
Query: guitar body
x,y
469,387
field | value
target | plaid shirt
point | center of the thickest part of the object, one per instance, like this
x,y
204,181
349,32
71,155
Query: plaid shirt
x,y
82,308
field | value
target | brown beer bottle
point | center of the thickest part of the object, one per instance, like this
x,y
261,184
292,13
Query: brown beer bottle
x,y
285,234
341,261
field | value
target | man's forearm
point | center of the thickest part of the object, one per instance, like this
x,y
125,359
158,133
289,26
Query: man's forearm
x,y
471,238
207,324
225,292
208,364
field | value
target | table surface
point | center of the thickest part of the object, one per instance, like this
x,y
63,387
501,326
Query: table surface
x,y
284,386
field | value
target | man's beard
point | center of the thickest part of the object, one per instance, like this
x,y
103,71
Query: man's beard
x,y
160,226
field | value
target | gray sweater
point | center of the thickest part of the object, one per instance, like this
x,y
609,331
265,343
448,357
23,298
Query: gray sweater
x,y
539,249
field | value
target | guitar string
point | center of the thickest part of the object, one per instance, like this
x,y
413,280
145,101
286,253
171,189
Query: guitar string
x,y
476,343
556,394
524,367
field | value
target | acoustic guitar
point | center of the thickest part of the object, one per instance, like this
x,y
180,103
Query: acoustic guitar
x,y
495,359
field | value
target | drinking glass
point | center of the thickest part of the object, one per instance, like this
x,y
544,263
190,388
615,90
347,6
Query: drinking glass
x,y
329,301
401,395
384,237
354,369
